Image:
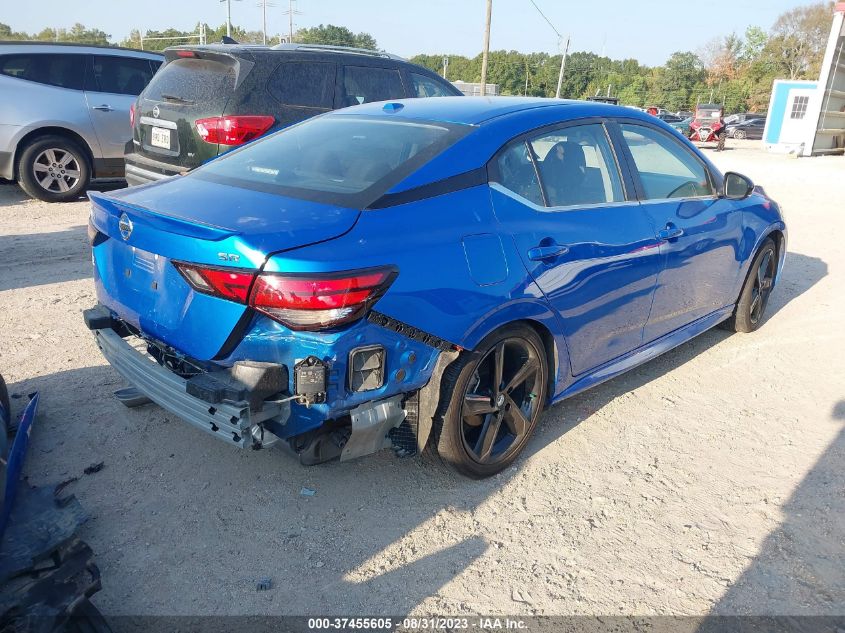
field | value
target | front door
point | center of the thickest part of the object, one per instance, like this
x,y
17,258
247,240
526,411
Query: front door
x,y
590,249
697,230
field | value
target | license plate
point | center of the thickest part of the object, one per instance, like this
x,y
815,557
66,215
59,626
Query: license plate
x,y
160,137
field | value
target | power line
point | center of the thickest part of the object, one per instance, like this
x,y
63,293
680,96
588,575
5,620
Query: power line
x,y
549,22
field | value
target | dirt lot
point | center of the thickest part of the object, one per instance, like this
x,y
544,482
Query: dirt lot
x,y
709,480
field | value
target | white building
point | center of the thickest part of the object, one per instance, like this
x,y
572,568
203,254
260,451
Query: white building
x,y
808,117
474,89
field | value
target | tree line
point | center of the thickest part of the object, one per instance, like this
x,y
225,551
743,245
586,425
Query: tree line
x,y
736,70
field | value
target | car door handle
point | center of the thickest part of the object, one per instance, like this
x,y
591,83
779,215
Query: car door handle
x,y
670,233
103,108
541,253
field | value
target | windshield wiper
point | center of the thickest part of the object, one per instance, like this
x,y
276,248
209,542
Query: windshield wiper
x,y
175,99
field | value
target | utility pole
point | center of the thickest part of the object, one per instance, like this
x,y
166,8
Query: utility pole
x,y
264,22
228,17
486,51
525,93
290,13
562,68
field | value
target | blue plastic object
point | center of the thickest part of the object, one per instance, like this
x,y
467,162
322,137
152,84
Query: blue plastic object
x,y
15,460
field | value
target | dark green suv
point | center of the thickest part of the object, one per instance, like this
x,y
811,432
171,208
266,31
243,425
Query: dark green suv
x,y
206,100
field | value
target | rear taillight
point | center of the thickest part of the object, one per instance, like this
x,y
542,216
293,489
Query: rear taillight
x,y
311,302
226,283
299,301
132,115
233,130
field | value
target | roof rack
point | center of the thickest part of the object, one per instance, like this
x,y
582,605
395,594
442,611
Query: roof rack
x,y
327,48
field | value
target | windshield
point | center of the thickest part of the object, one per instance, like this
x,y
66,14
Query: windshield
x,y
342,160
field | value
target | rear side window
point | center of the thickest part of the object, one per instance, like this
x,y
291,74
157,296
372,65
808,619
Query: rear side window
x,y
666,169
309,84
428,87
62,70
121,75
193,81
516,172
345,160
362,84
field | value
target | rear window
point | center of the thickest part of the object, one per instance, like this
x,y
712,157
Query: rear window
x,y
195,81
62,70
343,160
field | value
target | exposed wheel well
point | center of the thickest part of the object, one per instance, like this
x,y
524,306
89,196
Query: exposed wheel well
x,y
551,352
777,236
53,131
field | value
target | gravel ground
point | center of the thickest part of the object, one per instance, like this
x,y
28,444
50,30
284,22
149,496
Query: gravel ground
x,y
707,481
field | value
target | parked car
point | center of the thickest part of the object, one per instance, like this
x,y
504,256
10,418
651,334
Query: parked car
x,y
64,115
683,126
208,99
440,268
740,117
668,117
750,128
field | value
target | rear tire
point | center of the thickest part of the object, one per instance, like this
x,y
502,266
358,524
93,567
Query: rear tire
x,y
54,169
754,296
492,399
739,134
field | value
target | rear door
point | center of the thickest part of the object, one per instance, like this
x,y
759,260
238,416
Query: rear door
x,y
697,230
184,90
363,84
112,85
582,236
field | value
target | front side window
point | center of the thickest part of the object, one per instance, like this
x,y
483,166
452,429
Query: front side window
x,y
344,160
515,172
62,70
428,87
362,84
666,168
121,75
304,84
577,166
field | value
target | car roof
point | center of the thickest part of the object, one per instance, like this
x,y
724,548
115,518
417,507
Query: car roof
x,y
66,47
478,110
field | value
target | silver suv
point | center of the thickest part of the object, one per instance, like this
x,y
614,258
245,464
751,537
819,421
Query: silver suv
x,y
65,113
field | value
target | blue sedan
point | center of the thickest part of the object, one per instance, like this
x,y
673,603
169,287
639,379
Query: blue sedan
x,y
423,272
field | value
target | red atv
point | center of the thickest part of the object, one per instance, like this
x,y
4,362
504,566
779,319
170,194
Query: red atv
x,y
708,126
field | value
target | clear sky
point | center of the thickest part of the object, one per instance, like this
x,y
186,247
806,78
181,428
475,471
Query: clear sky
x,y
648,30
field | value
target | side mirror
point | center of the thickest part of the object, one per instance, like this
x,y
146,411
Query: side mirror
x,y
737,186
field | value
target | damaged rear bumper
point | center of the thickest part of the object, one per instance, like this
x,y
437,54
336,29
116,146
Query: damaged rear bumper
x,y
233,422
252,404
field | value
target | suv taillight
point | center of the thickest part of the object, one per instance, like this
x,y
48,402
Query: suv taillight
x,y
234,129
132,115
299,301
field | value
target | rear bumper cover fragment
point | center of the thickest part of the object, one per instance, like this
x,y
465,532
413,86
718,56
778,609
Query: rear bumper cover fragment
x,y
229,421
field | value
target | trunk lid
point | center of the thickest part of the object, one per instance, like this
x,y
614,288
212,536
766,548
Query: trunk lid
x,y
185,219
